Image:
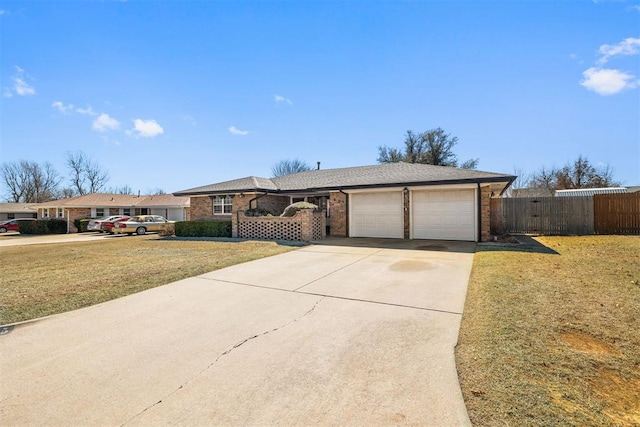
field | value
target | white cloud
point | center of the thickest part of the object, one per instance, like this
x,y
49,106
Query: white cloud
x,y
104,123
2,12
606,81
20,86
235,131
64,109
281,99
147,128
86,111
189,119
628,46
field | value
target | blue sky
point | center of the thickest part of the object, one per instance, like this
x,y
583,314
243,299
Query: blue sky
x,y
178,94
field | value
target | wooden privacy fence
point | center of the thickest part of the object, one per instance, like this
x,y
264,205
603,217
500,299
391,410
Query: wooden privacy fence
x,y
599,214
542,215
617,213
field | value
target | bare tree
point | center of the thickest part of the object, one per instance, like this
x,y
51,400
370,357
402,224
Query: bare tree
x,y
287,167
578,174
156,192
86,176
433,147
125,189
30,182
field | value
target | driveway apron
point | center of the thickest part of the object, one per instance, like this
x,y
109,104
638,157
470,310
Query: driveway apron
x,y
330,334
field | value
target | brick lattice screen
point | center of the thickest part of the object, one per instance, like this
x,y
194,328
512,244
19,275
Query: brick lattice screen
x,y
270,230
306,225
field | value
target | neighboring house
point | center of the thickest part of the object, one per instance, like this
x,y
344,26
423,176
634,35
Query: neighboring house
x,y
393,200
96,205
528,192
17,210
577,192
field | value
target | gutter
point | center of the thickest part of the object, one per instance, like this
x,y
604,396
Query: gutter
x,y
479,208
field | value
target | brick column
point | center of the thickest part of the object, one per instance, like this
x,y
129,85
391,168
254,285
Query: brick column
x,y
338,212
407,216
239,203
485,213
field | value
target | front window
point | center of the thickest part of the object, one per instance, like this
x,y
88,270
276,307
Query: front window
x,y
45,213
126,211
99,212
60,213
222,205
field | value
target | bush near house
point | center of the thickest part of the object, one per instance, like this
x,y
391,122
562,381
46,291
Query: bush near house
x,y
295,207
44,226
203,229
81,224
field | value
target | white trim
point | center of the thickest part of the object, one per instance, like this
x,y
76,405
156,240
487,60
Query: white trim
x,y
445,187
374,190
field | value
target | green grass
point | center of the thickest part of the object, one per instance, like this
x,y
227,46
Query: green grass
x,y
550,334
40,280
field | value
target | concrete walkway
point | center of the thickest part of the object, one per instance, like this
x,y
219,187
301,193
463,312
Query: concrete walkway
x,y
355,334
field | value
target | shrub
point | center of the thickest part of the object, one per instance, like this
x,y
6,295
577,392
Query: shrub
x,y
203,228
257,212
81,224
168,230
295,207
44,226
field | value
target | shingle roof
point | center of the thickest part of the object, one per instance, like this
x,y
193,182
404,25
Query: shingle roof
x,y
119,200
387,174
16,207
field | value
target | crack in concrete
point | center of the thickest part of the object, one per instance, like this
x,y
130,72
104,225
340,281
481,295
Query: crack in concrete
x,y
225,353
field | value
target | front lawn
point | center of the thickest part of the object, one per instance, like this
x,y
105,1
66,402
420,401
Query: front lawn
x,y
39,280
551,334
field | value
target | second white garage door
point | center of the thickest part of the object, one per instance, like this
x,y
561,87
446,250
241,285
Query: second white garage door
x,y
444,214
378,214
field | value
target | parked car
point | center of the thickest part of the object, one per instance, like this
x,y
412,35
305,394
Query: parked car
x,y
107,226
96,224
13,224
141,224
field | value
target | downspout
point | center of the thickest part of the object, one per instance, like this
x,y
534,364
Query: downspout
x,y
479,236
346,209
256,198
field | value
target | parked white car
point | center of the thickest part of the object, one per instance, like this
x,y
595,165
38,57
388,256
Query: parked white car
x,y
141,224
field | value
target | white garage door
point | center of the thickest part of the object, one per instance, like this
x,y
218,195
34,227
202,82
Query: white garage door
x,y
377,214
172,214
444,214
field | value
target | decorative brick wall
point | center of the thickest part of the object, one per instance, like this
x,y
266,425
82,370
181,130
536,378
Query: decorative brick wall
x,y
338,214
305,225
485,213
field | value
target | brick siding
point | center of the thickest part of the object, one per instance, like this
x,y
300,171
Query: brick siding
x,y
338,214
485,214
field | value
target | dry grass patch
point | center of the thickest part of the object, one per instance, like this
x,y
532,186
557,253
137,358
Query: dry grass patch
x,y
40,280
553,338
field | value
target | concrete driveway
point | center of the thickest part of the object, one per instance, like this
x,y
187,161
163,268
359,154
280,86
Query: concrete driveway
x,y
353,332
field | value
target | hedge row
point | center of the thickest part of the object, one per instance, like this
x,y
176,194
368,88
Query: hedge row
x,y
203,229
44,226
